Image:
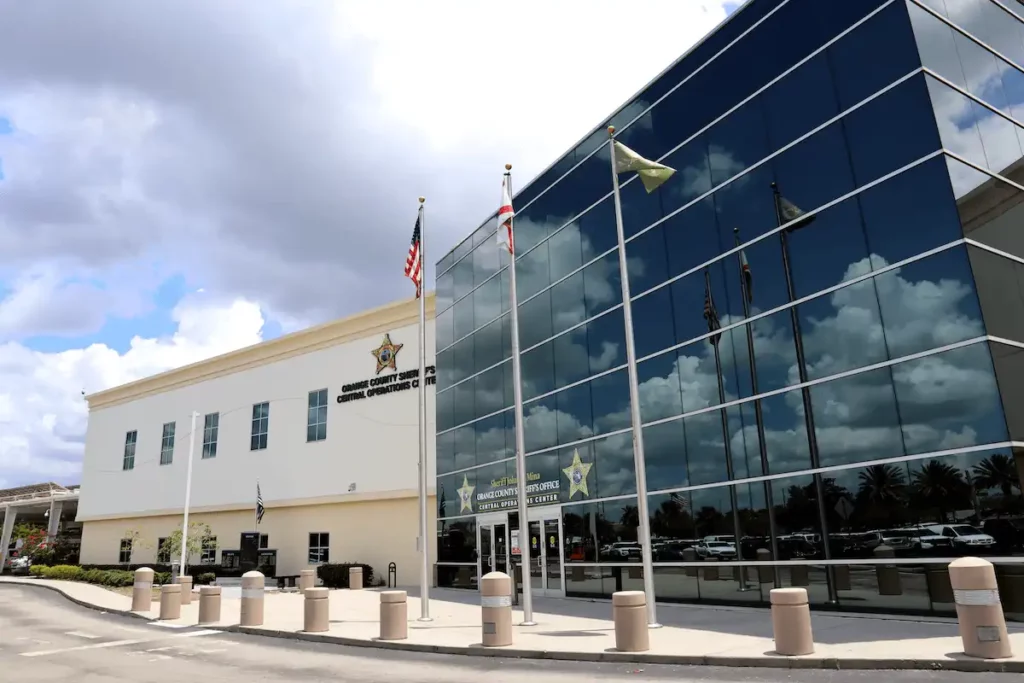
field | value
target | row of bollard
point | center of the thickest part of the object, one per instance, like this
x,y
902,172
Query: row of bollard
x,y
979,611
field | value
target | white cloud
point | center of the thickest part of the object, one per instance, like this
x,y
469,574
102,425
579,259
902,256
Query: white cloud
x,y
43,413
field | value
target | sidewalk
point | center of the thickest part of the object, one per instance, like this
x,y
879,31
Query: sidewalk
x,y
582,630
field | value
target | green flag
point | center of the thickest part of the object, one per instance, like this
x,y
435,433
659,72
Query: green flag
x,y
652,174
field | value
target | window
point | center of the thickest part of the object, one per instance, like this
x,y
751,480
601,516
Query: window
x,y
128,462
211,427
209,551
264,541
124,556
167,444
230,559
316,420
260,426
319,548
163,551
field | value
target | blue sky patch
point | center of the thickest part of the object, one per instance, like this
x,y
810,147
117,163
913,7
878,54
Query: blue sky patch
x,y
6,127
117,333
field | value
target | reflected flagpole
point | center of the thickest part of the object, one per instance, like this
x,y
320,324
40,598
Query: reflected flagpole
x,y
714,325
424,538
506,235
634,397
747,295
786,212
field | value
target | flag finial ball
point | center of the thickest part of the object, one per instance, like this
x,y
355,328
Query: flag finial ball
x,y
422,199
611,130
508,167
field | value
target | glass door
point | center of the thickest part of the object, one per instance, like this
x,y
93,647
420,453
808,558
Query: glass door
x,y
493,542
546,561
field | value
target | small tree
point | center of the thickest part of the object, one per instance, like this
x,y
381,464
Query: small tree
x,y
197,533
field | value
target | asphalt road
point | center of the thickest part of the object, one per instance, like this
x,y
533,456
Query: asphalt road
x,y
44,637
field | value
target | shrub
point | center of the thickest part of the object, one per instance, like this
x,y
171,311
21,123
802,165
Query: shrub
x,y
205,579
38,570
160,578
336,575
64,572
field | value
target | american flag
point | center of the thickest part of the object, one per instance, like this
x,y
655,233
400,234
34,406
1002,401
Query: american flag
x,y
259,504
413,262
709,311
748,277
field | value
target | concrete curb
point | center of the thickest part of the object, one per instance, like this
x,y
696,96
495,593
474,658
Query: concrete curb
x,y
966,665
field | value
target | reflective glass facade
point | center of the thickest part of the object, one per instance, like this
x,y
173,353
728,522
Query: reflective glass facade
x,y
867,394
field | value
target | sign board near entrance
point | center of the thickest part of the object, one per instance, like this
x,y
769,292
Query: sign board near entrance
x,y
503,493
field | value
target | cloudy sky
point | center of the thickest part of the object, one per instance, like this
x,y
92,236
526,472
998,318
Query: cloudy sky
x,y
180,179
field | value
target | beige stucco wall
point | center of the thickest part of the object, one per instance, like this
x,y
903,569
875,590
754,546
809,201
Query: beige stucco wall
x,y
375,532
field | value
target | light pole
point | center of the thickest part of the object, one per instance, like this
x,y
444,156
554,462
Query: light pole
x,y
188,494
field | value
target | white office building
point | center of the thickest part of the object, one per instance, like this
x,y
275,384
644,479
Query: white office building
x,y
323,421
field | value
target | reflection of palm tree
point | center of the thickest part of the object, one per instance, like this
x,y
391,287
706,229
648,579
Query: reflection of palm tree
x,y
883,485
940,485
997,471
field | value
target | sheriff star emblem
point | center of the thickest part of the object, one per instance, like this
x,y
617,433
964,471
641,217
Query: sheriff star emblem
x,y
577,473
386,354
465,495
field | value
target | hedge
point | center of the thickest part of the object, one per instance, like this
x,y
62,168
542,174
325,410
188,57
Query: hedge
x,y
102,577
215,569
336,575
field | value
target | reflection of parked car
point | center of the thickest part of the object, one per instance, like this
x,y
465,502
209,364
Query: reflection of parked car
x,y
795,549
20,565
671,551
716,550
963,536
1009,533
623,550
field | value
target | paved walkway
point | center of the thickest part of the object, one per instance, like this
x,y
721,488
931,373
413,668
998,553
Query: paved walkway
x,y
577,629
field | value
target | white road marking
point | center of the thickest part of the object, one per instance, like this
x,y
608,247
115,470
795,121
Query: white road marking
x,y
160,649
165,624
211,651
94,646
157,658
80,634
115,643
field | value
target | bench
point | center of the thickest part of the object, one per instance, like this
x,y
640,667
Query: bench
x,y
287,581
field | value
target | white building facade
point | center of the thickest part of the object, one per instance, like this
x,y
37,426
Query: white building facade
x,y
323,421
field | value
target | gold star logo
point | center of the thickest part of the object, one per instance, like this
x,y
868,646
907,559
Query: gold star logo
x,y
577,473
386,354
465,495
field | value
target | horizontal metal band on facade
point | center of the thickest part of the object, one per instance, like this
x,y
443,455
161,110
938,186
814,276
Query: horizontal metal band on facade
x,y
976,597
1012,561
678,85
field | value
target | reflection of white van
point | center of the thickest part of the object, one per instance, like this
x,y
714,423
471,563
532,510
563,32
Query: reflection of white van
x,y
962,535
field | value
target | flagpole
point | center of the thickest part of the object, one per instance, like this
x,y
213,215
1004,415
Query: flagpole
x,y
188,495
747,296
256,514
424,539
634,401
812,438
517,392
729,469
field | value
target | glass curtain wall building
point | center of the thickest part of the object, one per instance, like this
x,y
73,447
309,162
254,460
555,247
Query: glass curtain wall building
x,y
850,192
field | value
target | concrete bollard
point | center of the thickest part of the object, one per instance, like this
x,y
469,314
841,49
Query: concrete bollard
x,y
764,572
394,615
690,555
629,612
209,604
711,573
799,575
978,610
142,591
940,590
888,576
307,579
355,578
170,601
252,599
316,611
186,589
496,609
791,621
841,572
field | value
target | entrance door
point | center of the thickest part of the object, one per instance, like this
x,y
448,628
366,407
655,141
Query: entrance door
x,y
493,542
547,575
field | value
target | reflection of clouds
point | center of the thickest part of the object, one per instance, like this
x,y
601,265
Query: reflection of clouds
x,y
940,396
965,127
